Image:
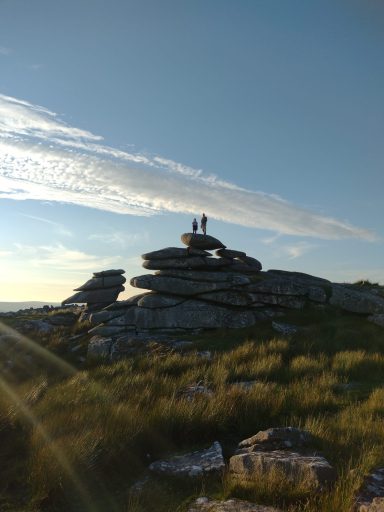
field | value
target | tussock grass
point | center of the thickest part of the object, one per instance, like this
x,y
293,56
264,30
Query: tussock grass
x,y
78,441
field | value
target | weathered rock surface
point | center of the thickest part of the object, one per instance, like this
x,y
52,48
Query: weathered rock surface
x,y
176,286
377,319
356,301
100,291
193,464
371,496
206,242
108,281
190,314
191,262
376,505
158,300
251,262
102,296
313,471
229,253
111,272
234,505
191,290
195,275
280,438
174,252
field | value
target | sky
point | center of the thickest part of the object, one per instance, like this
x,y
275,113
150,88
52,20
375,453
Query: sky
x,y
121,121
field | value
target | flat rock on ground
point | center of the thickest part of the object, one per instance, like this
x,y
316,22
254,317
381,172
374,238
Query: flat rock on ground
x,y
233,505
277,438
314,471
192,464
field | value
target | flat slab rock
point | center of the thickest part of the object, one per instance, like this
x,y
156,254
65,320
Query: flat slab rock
x,y
206,275
314,471
205,242
356,301
177,286
277,438
174,252
188,262
110,272
190,314
233,505
192,464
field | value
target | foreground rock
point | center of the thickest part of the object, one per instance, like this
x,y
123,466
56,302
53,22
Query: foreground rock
x,y
193,464
314,472
371,496
270,452
233,505
276,439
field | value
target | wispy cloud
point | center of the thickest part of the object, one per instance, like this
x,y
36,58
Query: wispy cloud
x,y
296,250
59,257
58,228
119,238
43,158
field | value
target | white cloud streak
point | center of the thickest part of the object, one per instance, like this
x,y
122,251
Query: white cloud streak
x,y
43,158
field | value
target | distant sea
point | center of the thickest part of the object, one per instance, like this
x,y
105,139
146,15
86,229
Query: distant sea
x,y
15,306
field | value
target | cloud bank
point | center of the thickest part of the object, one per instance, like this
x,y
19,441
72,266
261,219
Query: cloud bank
x,y
43,158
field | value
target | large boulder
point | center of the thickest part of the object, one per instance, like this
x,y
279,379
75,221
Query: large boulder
x,y
230,253
277,438
206,275
193,464
278,286
233,505
355,300
205,242
176,286
158,300
191,314
311,471
228,297
251,262
102,282
102,295
111,272
191,262
174,252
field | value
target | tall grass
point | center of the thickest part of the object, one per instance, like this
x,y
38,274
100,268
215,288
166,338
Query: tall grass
x,y
81,440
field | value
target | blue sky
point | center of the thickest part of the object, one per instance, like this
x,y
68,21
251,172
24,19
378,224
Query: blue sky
x,y
120,121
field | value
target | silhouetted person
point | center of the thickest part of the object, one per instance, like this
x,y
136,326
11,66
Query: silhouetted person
x,y
194,226
204,219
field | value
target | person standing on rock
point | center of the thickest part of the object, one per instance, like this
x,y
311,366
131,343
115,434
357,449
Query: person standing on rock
x,y
194,226
204,219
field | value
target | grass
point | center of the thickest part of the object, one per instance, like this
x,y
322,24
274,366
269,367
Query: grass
x,y
79,439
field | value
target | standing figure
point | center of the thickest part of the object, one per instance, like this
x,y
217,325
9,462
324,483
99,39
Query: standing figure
x,y
194,226
204,219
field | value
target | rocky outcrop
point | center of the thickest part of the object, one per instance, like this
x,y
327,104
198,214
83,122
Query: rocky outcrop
x,y
193,464
99,291
208,505
193,289
270,452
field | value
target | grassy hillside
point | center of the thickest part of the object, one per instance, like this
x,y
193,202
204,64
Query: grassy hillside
x,y
77,437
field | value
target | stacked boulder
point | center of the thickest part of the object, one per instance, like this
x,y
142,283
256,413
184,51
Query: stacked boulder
x,y
99,291
193,289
